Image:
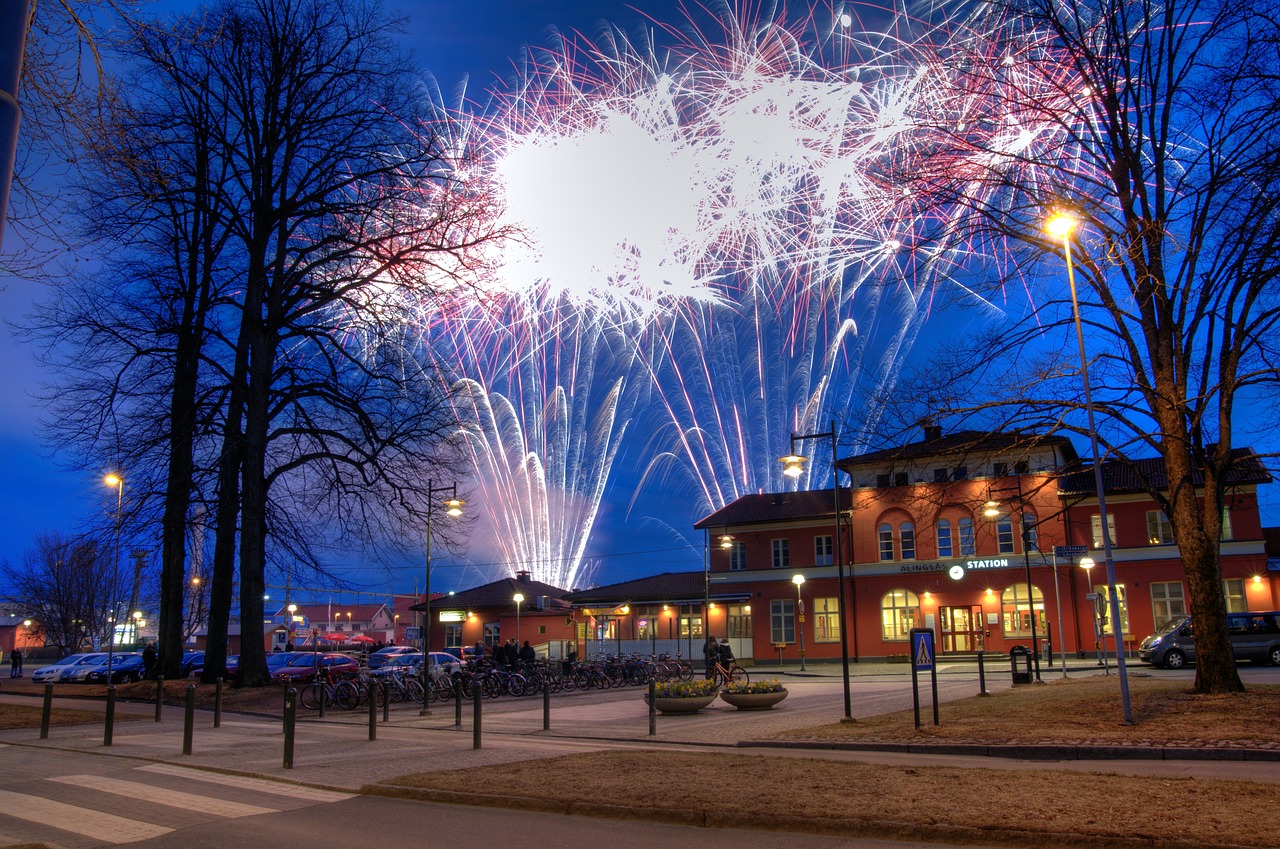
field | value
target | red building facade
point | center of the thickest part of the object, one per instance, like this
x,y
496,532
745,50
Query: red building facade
x,y
978,537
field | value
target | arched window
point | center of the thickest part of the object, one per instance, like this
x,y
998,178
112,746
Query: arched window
x,y
944,538
966,537
899,613
1016,610
1030,536
885,534
907,540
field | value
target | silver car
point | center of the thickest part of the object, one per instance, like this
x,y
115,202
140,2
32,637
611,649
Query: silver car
x,y
54,672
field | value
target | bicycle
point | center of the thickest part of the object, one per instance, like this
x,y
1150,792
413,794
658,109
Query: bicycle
x,y
722,674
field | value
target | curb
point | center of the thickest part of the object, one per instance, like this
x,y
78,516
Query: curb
x,y
1034,751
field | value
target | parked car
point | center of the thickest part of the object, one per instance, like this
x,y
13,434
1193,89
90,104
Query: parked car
x,y
124,669
385,653
79,674
1254,636
303,666
192,664
53,673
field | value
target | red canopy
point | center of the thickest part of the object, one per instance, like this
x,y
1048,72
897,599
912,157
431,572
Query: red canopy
x,y
336,637
362,638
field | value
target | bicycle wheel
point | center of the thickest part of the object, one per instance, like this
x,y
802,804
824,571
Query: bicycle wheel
x,y
737,673
308,697
346,695
516,684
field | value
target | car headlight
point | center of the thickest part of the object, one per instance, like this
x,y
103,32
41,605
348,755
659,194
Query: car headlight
x,y
1156,641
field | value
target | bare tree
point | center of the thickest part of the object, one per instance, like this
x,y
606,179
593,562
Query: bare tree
x,y
1158,127
68,587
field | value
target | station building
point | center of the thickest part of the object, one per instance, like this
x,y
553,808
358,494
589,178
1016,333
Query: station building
x,y
979,537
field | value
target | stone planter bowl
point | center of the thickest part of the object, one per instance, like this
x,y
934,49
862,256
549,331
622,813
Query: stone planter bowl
x,y
681,705
754,701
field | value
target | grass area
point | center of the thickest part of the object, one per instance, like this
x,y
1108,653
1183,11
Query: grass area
x,y
28,716
986,805
254,700
1082,710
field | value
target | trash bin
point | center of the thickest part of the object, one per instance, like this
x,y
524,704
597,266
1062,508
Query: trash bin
x,y
1020,656
1046,651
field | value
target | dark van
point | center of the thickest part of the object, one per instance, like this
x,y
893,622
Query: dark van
x,y
1254,636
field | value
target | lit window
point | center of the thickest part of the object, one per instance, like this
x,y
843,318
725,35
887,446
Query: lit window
x,y
826,620
1104,603
1017,611
1159,531
944,538
899,613
1226,523
1095,526
1233,595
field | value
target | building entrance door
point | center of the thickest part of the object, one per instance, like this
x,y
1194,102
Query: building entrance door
x,y
738,624
962,628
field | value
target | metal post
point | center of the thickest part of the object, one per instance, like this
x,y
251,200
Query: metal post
x,y
320,692
476,698
373,711
189,719
109,727
458,696
386,701
653,707
982,675
159,695
290,723
217,704
46,712
546,704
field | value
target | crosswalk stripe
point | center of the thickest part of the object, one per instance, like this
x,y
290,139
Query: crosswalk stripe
x,y
107,828
262,785
171,798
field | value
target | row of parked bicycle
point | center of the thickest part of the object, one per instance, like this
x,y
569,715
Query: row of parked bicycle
x,y
402,681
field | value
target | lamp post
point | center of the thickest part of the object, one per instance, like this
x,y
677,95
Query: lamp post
x,y
1061,224
117,481
452,507
798,580
518,598
793,466
992,511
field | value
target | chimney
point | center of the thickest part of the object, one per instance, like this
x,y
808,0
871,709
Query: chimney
x,y
932,432
524,576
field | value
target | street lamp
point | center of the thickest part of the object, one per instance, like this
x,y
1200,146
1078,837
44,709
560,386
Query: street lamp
x,y
452,507
793,466
112,479
798,580
1061,224
518,598
992,511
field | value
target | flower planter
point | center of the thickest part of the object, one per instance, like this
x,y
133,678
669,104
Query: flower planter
x,y
676,705
754,701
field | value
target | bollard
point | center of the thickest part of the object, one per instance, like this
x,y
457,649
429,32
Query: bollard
x,y
982,676
159,695
476,698
290,721
217,704
189,719
46,711
386,701
546,704
320,696
110,726
653,707
373,711
457,703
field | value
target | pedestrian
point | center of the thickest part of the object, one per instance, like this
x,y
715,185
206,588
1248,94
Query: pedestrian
x,y
15,664
527,654
725,653
710,653
479,651
148,660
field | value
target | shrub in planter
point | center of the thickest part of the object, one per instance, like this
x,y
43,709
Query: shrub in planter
x,y
753,695
771,685
684,689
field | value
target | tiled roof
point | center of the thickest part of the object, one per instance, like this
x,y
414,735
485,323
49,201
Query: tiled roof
x,y
667,587
776,507
500,593
960,442
1149,473
320,612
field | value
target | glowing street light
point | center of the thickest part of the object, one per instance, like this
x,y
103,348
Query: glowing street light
x,y
117,481
798,580
1060,225
518,598
452,507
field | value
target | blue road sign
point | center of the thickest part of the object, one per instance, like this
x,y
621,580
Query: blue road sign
x,y
921,649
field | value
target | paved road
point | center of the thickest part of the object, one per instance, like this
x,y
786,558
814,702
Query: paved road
x,y
70,791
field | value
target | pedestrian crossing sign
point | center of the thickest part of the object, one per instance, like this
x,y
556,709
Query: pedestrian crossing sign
x,y
922,649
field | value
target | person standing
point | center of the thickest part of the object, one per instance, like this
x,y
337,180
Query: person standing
x,y
148,660
15,663
710,653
